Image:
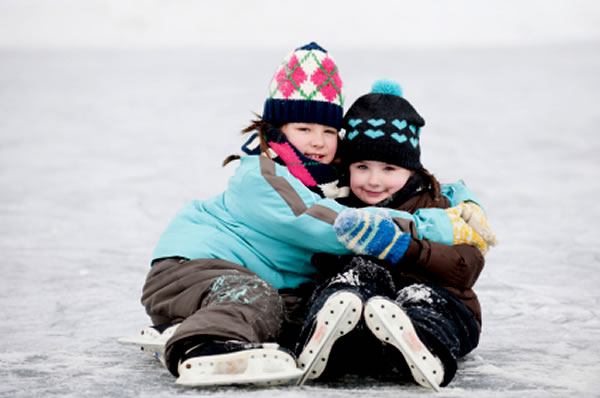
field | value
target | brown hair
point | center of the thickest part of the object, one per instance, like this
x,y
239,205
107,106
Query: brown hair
x,y
256,124
434,183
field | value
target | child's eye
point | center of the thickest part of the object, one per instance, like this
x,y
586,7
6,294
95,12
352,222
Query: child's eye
x,y
330,132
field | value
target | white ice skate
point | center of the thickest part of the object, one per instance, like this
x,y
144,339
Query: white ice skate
x,y
260,364
388,322
151,340
339,315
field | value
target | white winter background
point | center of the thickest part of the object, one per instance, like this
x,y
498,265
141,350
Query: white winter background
x,y
114,113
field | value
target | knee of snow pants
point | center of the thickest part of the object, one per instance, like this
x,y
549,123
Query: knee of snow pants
x,y
213,299
362,276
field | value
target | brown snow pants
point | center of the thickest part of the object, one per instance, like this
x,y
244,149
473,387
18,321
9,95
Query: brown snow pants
x,y
212,298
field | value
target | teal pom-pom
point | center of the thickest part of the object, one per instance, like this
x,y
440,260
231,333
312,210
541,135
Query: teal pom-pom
x,y
387,86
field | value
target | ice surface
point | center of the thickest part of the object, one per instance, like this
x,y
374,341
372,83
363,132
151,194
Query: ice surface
x,y
98,150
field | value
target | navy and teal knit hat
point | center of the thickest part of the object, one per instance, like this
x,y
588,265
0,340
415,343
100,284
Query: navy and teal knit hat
x,y
306,88
383,126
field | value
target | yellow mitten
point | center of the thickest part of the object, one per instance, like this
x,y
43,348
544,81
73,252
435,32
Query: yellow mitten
x,y
463,233
475,217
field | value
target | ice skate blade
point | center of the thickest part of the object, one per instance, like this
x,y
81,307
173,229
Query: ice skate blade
x,y
260,366
151,341
155,350
390,324
149,336
339,315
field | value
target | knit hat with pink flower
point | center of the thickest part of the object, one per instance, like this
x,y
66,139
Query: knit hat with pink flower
x,y
306,88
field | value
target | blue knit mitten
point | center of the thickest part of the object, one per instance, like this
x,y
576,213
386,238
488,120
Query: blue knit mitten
x,y
374,235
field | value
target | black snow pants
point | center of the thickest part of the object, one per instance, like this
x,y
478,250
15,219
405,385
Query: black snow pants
x,y
443,323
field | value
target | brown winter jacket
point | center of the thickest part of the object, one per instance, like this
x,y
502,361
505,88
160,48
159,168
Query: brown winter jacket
x,y
454,268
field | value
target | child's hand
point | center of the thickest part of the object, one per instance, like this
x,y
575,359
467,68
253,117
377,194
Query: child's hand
x,y
470,226
371,234
475,217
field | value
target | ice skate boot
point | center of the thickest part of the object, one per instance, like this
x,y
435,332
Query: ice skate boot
x,y
152,340
390,324
339,315
233,362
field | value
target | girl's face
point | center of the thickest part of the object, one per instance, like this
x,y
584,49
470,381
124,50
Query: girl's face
x,y
315,141
372,181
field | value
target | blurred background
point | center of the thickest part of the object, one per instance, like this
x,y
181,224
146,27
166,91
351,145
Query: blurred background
x,y
238,24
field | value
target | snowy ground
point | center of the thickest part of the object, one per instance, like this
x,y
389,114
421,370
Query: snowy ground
x,y
99,149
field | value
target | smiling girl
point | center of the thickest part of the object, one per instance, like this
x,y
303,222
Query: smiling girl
x,y
420,312
315,141
373,181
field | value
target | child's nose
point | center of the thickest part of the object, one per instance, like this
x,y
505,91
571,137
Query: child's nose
x,y
373,179
318,140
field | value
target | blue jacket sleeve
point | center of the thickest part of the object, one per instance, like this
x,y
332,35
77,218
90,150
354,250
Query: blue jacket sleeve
x,y
267,198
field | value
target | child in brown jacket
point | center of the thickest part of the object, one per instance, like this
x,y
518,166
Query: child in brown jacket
x,y
414,295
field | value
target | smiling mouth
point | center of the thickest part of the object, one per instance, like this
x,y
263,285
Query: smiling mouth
x,y
315,156
372,193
